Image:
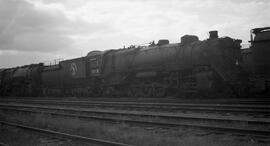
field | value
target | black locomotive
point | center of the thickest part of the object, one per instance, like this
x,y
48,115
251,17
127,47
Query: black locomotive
x,y
256,61
215,66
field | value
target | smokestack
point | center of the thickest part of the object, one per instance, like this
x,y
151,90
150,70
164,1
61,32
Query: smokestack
x,y
213,34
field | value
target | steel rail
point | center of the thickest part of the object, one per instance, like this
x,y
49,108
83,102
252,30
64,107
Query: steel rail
x,y
71,136
193,107
168,108
253,132
148,100
3,144
214,105
119,113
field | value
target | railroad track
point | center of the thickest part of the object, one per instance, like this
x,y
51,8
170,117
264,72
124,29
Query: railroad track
x,y
3,144
65,135
136,115
253,101
168,123
225,108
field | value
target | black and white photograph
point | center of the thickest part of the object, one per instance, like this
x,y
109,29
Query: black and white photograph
x,y
134,72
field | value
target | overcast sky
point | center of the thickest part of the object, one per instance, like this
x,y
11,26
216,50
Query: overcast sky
x,y
33,31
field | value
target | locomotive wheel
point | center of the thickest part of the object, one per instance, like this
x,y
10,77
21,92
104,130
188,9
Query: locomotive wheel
x,y
133,92
147,92
160,92
109,92
97,92
130,92
138,92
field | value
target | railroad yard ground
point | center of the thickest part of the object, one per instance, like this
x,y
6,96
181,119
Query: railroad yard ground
x,y
127,132
18,137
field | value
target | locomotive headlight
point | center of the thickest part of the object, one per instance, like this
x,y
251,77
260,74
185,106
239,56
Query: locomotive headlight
x,y
236,62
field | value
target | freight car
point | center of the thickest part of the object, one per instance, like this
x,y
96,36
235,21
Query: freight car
x,y
215,66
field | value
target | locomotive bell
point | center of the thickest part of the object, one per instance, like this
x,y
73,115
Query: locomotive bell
x,y
187,39
213,34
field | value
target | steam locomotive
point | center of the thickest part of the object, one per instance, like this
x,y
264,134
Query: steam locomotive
x,y
215,66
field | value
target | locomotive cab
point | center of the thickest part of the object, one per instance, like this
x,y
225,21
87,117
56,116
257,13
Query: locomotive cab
x,y
94,63
260,47
260,43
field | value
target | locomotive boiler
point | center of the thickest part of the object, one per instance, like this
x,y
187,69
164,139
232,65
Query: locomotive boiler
x,y
161,69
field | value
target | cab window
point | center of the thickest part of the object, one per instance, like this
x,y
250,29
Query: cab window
x,y
94,65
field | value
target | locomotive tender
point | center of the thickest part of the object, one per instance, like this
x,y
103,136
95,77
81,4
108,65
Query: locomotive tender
x,y
212,66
